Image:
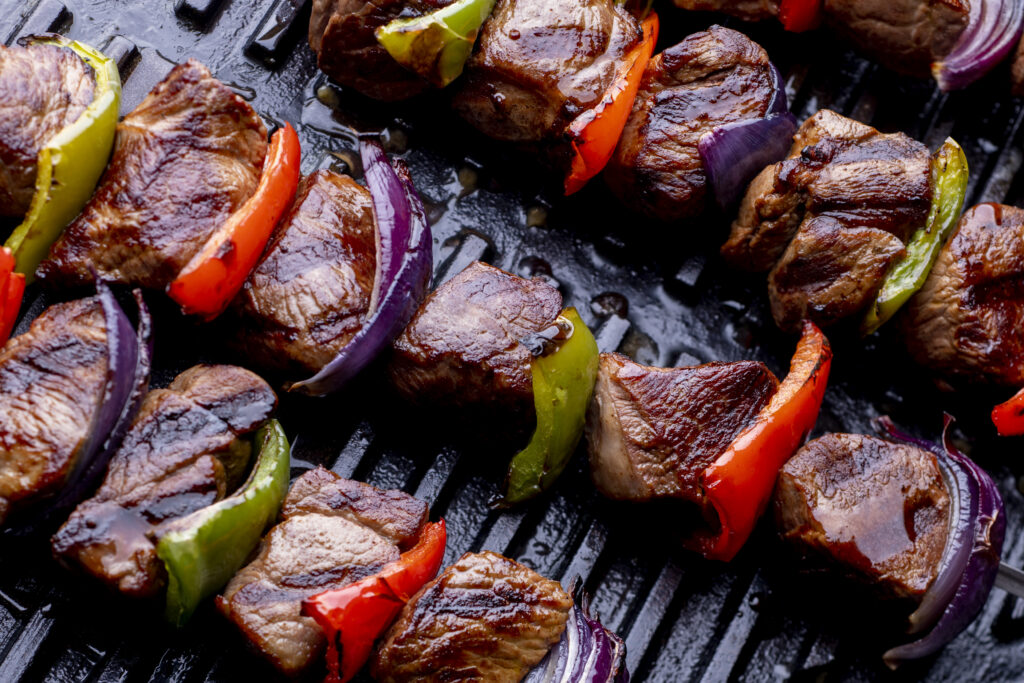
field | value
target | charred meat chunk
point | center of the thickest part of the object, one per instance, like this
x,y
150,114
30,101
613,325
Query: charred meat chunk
x,y
184,160
464,345
967,322
52,379
832,218
651,432
904,35
878,510
1017,73
332,532
186,449
748,10
485,618
710,79
310,292
541,63
42,89
342,34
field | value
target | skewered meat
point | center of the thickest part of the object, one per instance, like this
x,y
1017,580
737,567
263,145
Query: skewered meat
x,y
52,379
904,35
541,63
186,158
310,292
1017,75
43,88
750,10
486,618
652,431
846,191
464,345
877,509
709,79
341,32
967,321
186,449
333,532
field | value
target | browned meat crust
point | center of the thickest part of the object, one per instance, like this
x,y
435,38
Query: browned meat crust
x,y
332,532
1017,74
185,159
486,618
184,451
42,89
749,10
310,292
709,79
878,510
967,322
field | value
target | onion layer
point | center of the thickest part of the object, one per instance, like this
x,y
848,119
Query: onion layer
x,y
993,30
404,267
970,561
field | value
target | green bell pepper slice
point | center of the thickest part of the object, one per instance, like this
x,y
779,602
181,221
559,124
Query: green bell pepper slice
x,y
202,551
949,188
70,164
563,383
436,45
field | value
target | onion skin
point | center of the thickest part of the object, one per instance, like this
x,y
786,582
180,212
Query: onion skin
x,y
993,30
404,268
971,558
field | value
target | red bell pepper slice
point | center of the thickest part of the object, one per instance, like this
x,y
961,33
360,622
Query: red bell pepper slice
x,y
595,133
800,15
353,617
1008,417
12,288
214,275
740,482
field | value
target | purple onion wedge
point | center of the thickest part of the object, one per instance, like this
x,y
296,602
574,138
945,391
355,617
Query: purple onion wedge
x,y
587,652
404,267
993,30
971,558
736,152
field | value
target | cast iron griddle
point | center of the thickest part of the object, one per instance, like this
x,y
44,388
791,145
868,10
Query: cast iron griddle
x,y
657,293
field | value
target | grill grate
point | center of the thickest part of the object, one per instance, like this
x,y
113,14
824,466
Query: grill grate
x,y
682,618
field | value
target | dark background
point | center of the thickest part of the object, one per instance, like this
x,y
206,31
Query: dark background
x,y
656,292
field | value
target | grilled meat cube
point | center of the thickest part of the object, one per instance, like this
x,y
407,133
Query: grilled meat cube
x,y
463,346
904,35
185,159
185,450
485,618
333,532
310,292
1017,74
541,63
43,88
878,510
709,79
651,432
748,10
873,189
52,379
967,322
341,32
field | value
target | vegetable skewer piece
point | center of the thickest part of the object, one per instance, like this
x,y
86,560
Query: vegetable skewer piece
x,y
1008,417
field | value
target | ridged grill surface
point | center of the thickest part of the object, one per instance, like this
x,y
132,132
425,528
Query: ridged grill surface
x,y
659,294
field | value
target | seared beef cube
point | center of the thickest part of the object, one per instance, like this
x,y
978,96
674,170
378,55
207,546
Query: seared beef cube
x,y
844,188
187,448
541,63
485,618
185,159
711,78
333,532
52,379
309,294
342,33
877,510
651,432
967,322
43,88
904,35
749,10
1017,76
464,345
